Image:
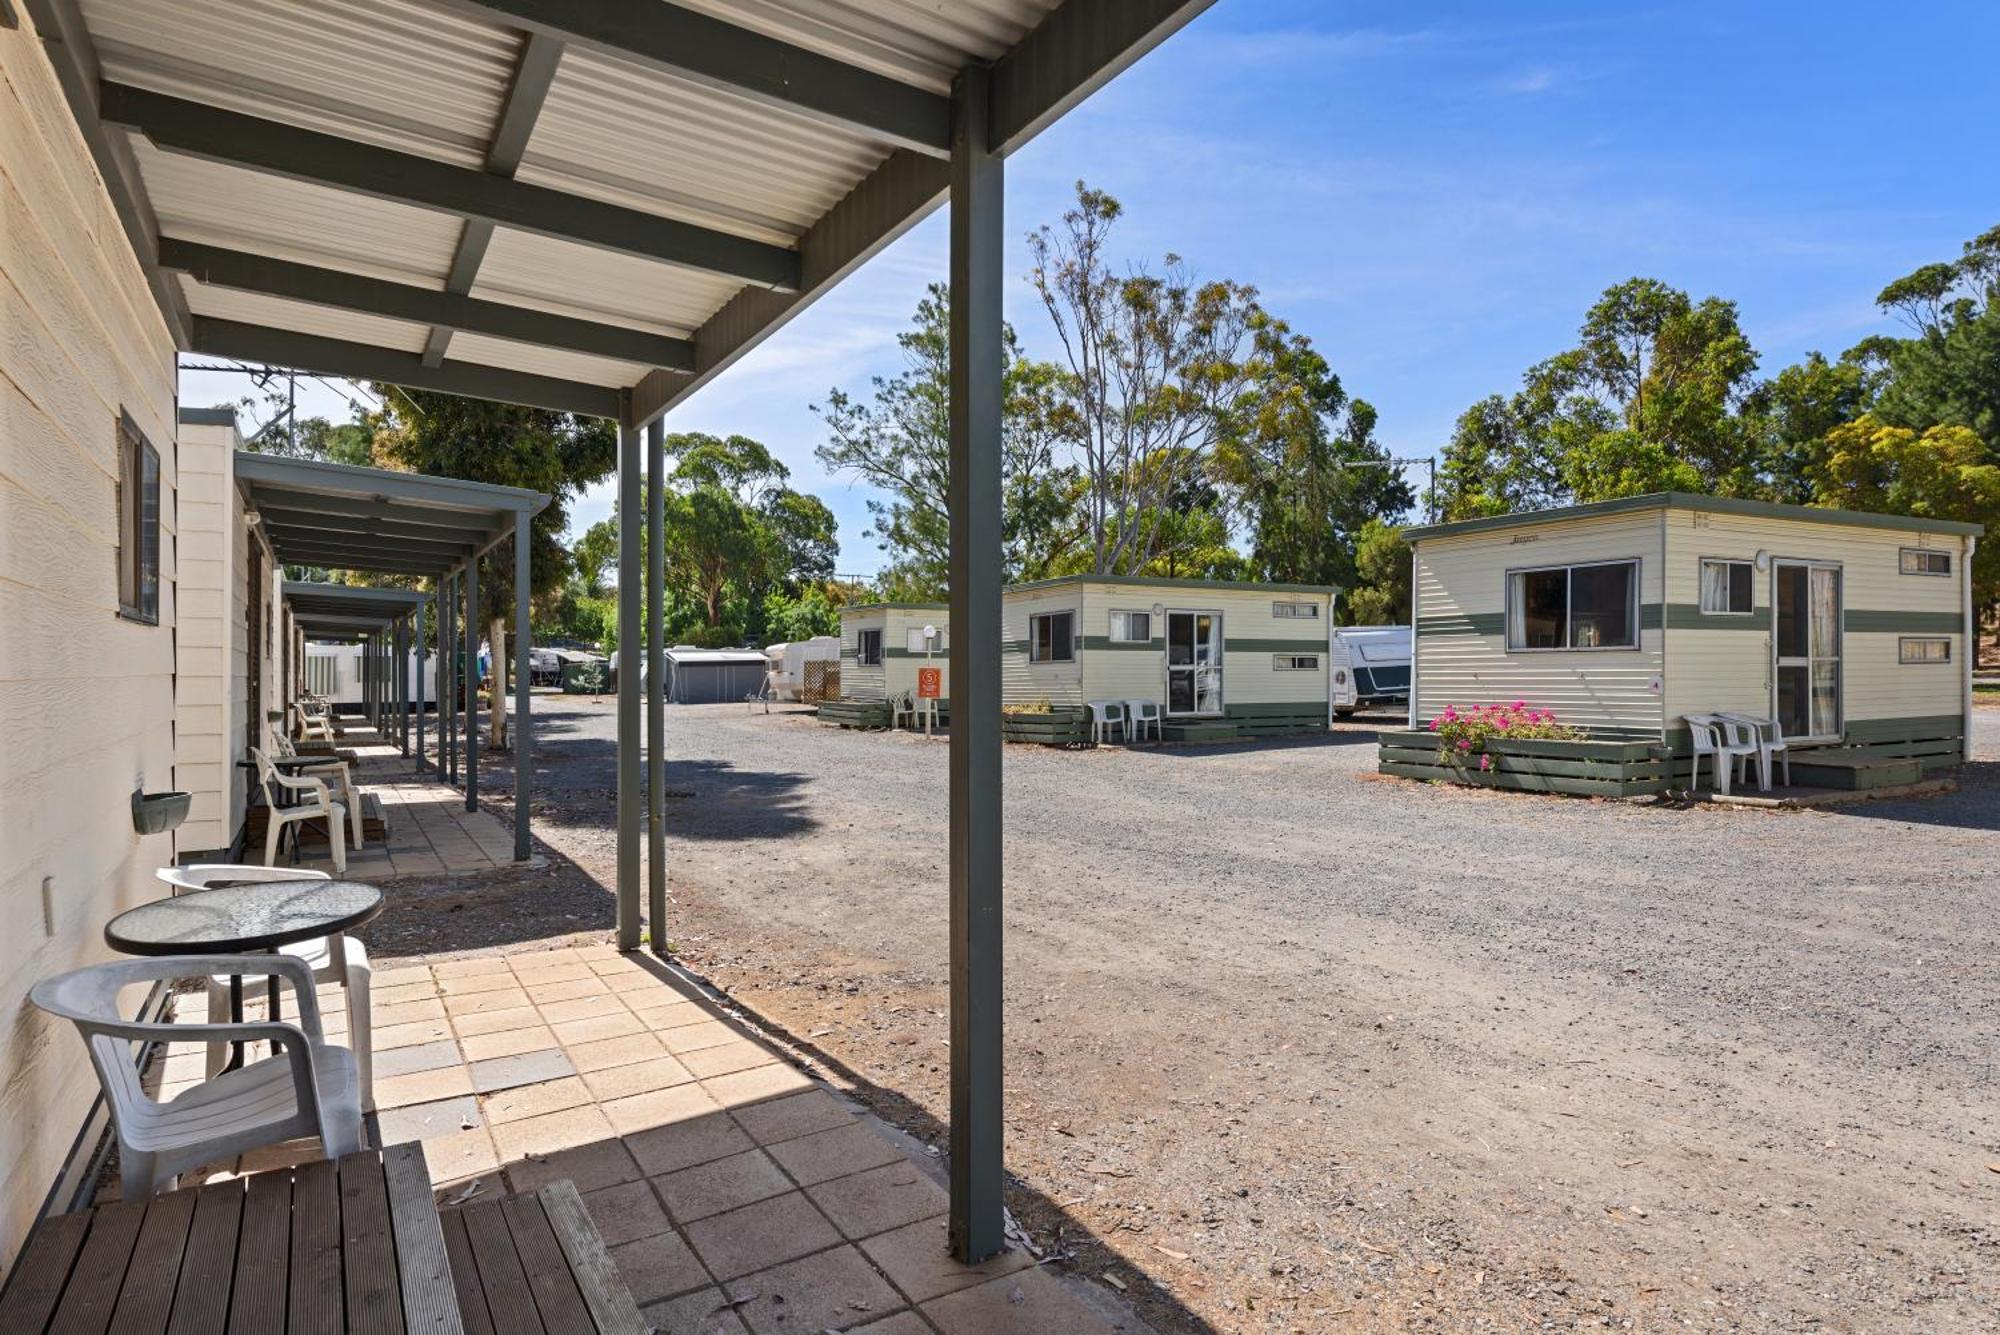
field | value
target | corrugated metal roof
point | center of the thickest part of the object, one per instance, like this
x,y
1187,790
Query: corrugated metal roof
x,y
923,42
543,361
225,303
596,284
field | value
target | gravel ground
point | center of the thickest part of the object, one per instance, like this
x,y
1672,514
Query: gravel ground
x,y
1293,1047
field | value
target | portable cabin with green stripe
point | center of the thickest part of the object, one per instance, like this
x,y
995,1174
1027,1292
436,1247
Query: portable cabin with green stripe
x,y
1625,616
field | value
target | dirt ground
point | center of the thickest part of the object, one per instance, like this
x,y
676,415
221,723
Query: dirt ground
x,y
1291,1047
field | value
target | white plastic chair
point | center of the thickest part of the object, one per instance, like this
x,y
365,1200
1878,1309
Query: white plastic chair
x,y
338,770
307,1088
1106,715
1769,736
1723,741
902,707
1140,715
333,959
319,805
315,720
765,693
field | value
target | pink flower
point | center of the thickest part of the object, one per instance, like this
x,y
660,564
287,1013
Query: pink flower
x,y
1465,743
1486,762
1520,704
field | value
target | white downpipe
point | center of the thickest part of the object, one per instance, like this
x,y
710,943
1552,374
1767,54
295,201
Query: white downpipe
x,y
1971,648
1416,593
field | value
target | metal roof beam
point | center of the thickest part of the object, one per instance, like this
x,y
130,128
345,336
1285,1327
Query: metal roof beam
x,y
341,561
1071,54
281,534
430,520
361,361
710,51
360,557
375,530
212,133
398,301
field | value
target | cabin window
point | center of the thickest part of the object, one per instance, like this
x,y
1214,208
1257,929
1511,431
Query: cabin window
x,y
1131,627
920,644
868,648
138,524
1726,587
1295,662
1051,637
1574,607
1924,561
1295,611
1924,649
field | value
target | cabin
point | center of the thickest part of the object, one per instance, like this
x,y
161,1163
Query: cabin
x,y
1624,617
882,646
1223,659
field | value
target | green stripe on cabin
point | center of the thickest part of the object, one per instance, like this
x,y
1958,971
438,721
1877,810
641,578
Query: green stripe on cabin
x,y
1902,623
1235,646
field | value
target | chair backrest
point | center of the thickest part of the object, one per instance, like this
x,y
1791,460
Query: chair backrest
x,y
203,875
266,774
1702,730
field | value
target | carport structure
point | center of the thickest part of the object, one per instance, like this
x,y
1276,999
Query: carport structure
x,y
382,522
595,206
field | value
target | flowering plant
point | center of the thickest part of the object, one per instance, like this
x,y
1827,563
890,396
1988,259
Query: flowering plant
x,y
1462,733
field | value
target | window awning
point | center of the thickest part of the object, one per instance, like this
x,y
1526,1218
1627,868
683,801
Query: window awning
x,y
373,519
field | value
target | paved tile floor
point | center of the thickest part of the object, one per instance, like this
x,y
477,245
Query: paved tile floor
x,y
430,831
735,1193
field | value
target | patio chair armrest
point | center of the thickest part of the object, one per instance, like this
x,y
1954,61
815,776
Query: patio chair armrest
x,y
244,1031
291,969
302,784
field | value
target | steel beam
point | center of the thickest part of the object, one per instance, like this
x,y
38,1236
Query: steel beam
x,y
630,580
196,129
450,310
978,1207
472,685
1071,54
710,51
423,639
656,693
448,678
402,685
364,361
524,743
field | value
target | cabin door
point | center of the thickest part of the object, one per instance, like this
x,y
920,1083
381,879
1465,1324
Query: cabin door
x,y
1194,663
1805,649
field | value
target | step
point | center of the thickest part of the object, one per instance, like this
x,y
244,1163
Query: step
x,y
1201,732
1827,770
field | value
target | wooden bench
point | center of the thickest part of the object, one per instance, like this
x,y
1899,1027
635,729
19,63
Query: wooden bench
x,y
357,1247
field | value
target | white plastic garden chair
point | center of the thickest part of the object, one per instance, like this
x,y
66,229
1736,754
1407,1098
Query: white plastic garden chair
x,y
1106,715
1721,740
1143,714
315,721
342,774
318,805
1769,736
902,707
306,1088
333,959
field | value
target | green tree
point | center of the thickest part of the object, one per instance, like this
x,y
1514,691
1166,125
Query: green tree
x,y
1948,372
899,442
1381,592
1153,364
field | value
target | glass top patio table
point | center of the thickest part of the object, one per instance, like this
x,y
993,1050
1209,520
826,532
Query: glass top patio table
x,y
231,919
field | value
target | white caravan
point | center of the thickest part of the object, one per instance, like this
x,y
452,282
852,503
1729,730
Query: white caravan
x,y
1371,666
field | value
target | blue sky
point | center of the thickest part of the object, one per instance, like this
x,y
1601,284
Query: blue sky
x,y
1436,193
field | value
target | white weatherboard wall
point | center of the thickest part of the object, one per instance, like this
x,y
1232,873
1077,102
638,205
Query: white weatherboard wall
x,y
1461,608
897,672
86,698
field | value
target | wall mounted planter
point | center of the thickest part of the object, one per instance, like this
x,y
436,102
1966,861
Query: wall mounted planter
x,y
156,813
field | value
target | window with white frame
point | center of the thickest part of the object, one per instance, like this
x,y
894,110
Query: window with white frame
x,y
921,644
1727,587
1131,627
868,648
1051,637
1295,662
1593,606
1924,561
138,524
1923,649
1295,611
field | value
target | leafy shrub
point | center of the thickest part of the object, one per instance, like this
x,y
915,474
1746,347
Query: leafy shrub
x,y
1463,734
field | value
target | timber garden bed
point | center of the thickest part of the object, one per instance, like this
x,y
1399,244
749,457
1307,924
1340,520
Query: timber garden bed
x,y
1578,768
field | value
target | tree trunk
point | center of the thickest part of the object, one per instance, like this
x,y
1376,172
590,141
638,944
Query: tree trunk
x,y
496,637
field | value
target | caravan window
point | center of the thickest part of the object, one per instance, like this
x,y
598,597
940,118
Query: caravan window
x,y
1295,611
1295,662
1726,587
920,645
1923,561
1923,649
1131,627
1574,607
1050,637
868,648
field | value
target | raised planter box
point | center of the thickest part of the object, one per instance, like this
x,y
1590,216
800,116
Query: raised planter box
x,y
1277,720
1580,769
1065,726
855,713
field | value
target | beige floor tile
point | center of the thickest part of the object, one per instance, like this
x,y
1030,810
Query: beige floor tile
x,y
472,1003
496,1022
728,1058
672,1014
506,1043
550,1132
543,990
825,1155
625,1213
408,1012
595,1003
459,1155
830,1290
511,1105
599,1026
288,1155
790,1118
755,1237
405,976
467,968
624,1050
879,1199
694,1037
723,1184
458,985
902,1323
422,1087
384,996
1032,1300
762,1082
390,1036
643,1077
591,1166
660,1107
428,1121
917,1257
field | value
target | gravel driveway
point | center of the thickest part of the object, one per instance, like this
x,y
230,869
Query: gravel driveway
x,y
1291,1046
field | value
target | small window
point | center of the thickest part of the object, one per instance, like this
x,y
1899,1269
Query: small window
x,y
1295,662
868,648
1726,588
1295,611
920,644
1924,649
1132,627
1050,637
1574,607
138,524
1924,561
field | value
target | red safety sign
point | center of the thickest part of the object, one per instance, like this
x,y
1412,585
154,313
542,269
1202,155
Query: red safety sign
x,y
930,683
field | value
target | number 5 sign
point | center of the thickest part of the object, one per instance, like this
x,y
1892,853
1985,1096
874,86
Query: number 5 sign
x,y
930,683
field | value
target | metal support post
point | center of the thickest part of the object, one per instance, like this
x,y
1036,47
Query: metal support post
x,y
629,581
524,745
656,692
